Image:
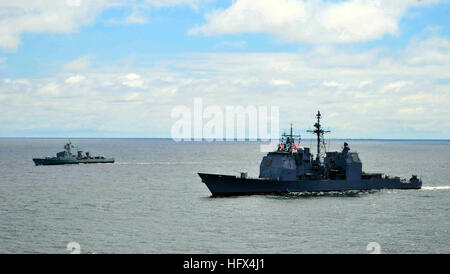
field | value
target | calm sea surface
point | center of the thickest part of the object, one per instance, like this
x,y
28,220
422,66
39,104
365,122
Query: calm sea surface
x,y
152,201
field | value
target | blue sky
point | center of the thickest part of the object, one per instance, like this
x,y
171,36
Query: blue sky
x,y
376,69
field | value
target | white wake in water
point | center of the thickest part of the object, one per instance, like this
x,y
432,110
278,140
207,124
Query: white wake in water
x,y
158,163
435,187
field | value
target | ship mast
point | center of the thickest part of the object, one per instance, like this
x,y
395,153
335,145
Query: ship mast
x,y
319,132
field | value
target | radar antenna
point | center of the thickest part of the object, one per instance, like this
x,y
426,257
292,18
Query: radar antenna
x,y
320,134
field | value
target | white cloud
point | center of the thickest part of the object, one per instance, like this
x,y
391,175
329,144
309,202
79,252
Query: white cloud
x,y
46,16
418,98
136,18
133,80
364,83
49,90
411,111
132,96
137,100
310,21
331,84
49,16
253,16
74,3
75,79
281,82
170,90
168,3
314,21
433,51
395,86
79,64
356,21
133,76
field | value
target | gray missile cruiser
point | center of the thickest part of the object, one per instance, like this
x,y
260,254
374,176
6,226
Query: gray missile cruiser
x,y
294,169
67,158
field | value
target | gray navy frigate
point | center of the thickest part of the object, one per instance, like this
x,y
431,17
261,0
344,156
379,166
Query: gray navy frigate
x,y
294,169
66,157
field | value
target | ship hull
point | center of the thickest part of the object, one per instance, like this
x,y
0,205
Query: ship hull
x,y
53,162
226,185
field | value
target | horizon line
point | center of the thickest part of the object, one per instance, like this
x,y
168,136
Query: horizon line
x,y
224,140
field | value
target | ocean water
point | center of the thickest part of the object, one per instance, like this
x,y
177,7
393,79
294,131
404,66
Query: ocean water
x,y
152,201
